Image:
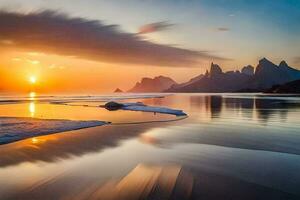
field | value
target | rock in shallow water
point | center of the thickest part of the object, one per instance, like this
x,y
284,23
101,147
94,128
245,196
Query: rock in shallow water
x,y
142,107
113,105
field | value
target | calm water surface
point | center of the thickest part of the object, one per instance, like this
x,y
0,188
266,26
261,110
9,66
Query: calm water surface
x,y
232,146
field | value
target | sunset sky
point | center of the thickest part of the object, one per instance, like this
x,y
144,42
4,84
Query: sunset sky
x,y
91,46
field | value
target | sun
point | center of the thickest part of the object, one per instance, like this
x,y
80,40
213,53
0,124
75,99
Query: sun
x,y
32,79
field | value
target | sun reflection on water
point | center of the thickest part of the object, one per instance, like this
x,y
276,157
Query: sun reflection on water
x,y
32,95
32,109
34,140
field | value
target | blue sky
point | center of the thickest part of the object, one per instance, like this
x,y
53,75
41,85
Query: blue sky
x,y
242,30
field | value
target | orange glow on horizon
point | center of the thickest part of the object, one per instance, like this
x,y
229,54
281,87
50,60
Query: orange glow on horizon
x,y
65,74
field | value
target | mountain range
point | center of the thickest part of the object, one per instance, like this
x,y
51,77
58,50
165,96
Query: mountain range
x,y
249,79
156,84
287,88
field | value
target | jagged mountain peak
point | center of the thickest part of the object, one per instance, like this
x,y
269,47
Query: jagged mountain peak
x,y
118,90
215,69
283,64
265,66
145,79
155,78
265,61
248,70
249,66
162,77
156,84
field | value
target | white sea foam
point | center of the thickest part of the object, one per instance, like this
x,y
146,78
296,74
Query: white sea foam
x,y
144,108
15,128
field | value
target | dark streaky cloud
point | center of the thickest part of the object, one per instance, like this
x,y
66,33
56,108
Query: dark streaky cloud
x,y
297,60
53,32
222,29
154,27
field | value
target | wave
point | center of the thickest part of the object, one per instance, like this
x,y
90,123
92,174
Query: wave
x,y
16,128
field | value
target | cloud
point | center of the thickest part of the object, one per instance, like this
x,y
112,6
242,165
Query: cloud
x,y
33,62
53,32
54,66
6,42
222,29
34,54
154,27
16,59
297,60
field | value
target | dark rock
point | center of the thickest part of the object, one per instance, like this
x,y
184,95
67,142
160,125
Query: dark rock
x,y
113,105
